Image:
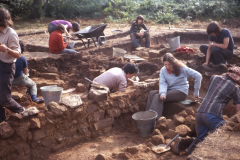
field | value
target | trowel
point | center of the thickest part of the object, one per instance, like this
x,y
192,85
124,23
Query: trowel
x,y
188,101
94,84
163,147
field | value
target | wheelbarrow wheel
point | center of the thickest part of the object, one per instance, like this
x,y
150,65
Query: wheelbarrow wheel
x,y
102,39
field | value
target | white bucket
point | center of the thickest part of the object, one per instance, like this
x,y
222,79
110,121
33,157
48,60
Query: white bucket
x,y
119,52
174,43
51,93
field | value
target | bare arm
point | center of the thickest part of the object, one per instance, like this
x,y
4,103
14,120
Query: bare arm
x,y
237,107
11,52
25,71
208,55
224,45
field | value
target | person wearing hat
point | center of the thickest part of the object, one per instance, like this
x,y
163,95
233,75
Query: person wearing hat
x,y
136,34
221,89
57,44
68,26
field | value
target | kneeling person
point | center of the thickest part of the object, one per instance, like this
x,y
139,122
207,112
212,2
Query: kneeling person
x,y
116,78
21,78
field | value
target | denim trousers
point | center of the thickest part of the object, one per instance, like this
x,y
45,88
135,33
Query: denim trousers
x,y
24,80
135,42
218,55
206,122
7,71
69,49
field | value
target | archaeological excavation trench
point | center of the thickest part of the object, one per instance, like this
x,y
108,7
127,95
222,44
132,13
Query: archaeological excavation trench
x,y
64,131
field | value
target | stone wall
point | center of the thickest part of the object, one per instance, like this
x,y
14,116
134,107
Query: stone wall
x,y
35,133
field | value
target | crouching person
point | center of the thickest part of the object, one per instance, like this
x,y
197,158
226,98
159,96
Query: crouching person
x,y
9,52
116,78
135,32
57,44
21,76
209,115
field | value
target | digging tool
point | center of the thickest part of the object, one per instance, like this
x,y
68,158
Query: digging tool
x,y
163,147
94,84
187,101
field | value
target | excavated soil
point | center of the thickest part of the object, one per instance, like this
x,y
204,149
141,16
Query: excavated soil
x,y
122,140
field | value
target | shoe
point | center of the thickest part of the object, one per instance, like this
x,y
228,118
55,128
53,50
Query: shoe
x,y
38,100
193,145
177,145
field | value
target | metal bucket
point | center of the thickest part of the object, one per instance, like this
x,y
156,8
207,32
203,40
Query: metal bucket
x,y
119,52
51,93
145,122
174,43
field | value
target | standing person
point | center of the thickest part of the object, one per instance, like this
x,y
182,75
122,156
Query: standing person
x,y
69,26
9,52
116,78
173,84
220,46
21,76
56,44
135,32
209,115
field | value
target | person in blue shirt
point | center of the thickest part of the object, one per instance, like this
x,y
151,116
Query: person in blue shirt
x,y
21,76
173,86
220,46
136,34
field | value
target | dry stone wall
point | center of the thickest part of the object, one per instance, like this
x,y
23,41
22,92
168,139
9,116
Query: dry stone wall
x,y
28,134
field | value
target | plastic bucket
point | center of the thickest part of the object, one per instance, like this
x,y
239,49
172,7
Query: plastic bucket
x,y
174,43
145,122
119,52
51,93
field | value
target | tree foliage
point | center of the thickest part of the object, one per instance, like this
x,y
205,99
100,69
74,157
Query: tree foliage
x,y
160,11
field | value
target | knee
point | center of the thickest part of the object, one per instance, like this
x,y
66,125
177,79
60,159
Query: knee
x,y
203,48
132,35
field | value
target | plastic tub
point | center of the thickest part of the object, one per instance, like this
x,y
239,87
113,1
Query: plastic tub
x,y
119,52
174,43
145,122
51,93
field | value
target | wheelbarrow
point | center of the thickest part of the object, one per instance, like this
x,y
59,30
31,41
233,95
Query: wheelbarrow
x,y
91,33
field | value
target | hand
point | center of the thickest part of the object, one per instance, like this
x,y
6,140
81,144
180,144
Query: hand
x,y
163,97
67,39
3,48
194,97
206,63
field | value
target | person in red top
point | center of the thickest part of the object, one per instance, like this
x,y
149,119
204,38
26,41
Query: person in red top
x,y
57,44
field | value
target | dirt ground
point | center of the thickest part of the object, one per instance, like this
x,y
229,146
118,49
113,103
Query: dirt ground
x,y
114,144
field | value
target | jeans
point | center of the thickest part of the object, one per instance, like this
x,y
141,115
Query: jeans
x,y
135,42
51,28
206,122
7,72
218,55
24,80
156,104
69,49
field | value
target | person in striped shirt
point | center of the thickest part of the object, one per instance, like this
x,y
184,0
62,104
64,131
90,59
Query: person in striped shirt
x,y
221,89
136,34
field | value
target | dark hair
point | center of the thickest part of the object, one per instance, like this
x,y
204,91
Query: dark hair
x,y
60,27
140,17
75,26
22,46
174,62
213,27
5,18
130,68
